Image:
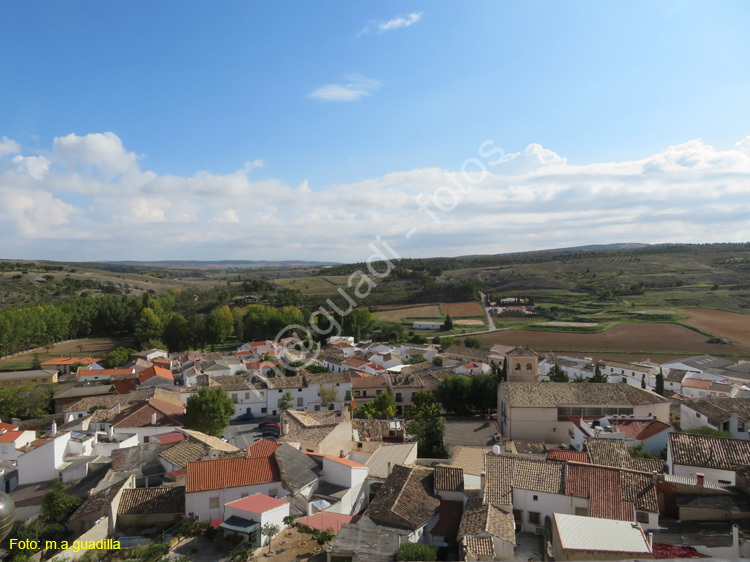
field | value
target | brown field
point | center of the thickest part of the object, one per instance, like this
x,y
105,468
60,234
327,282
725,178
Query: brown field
x,y
459,309
731,325
398,315
637,338
92,347
468,323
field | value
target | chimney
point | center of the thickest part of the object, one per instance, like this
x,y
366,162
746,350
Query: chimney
x,y
53,429
153,418
110,433
650,541
390,468
117,408
700,477
341,453
482,480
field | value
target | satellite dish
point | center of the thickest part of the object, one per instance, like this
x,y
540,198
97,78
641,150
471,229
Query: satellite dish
x,y
7,515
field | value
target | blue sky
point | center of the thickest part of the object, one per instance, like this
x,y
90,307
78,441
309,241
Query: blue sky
x,y
338,96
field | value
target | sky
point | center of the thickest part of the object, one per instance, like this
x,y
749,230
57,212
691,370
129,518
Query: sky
x,y
300,130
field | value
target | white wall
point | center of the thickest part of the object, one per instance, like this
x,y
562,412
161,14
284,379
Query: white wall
x,y
40,464
274,516
105,449
545,504
9,451
198,502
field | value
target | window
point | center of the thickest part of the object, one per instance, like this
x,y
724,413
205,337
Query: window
x,y
359,445
263,410
299,390
378,392
357,393
725,426
697,415
534,517
247,396
348,395
213,503
536,498
518,515
273,492
299,402
280,391
364,393
582,511
398,397
641,516
740,425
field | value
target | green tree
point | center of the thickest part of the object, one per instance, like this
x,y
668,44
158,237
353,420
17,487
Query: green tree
x,y
383,406
197,332
453,394
117,357
437,361
708,431
473,342
448,324
416,551
429,433
643,380
504,372
423,405
57,504
27,402
660,383
176,334
483,393
219,325
416,359
556,374
446,342
270,530
598,377
286,401
36,362
149,326
327,394
209,410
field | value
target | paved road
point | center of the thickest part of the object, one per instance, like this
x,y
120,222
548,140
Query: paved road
x,y
486,304
243,435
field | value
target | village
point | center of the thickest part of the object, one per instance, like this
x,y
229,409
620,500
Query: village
x,y
369,450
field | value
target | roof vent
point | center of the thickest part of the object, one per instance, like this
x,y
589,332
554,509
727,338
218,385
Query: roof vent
x,y
496,449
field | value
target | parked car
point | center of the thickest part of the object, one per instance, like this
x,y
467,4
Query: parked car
x,y
270,435
265,424
245,417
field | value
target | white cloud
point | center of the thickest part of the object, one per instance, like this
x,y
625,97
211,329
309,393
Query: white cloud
x,y
353,89
89,198
8,146
404,20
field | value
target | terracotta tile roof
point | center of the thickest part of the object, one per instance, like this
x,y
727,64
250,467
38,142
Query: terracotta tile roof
x,y
480,548
97,501
406,498
640,489
370,381
608,452
144,501
102,372
499,479
552,395
603,488
470,459
323,520
262,448
167,438
675,375
286,382
481,518
640,430
230,473
567,455
154,371
354,362
8,427
10,436
340,460
708,451
648,465
125,386
309,427
140,415
184,452
720,409
394,453
538,475
449,478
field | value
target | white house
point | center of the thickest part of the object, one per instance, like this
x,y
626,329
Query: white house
x,y
695,387
212,484
470,369
347,475
259,508
632,431
424,325
44,458
101,375
13,440
631,373
723,414
706,456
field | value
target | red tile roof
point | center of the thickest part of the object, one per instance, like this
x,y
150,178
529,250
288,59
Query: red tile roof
x,y
103,372
640,430
603,488
230,473
565,455
8,427
257,503
262,448
125,386
696,383
171,437
154,371
354,362
10,436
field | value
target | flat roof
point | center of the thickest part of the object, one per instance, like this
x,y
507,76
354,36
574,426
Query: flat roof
x,y
603,535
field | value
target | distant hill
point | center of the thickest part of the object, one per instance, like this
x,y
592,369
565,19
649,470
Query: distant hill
x,y
589,248
226,264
